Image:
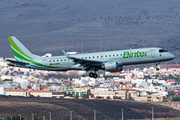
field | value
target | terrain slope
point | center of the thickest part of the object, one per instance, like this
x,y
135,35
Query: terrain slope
x,y
82,109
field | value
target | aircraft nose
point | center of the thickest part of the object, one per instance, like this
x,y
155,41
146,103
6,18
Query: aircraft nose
x,y
172,56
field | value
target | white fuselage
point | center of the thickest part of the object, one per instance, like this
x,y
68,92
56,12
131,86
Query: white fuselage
x,y
122,57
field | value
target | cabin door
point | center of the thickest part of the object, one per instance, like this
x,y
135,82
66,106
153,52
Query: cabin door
x,y
153,53
44,62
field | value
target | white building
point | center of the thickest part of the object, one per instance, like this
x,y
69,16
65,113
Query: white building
x,y
16,92
40,93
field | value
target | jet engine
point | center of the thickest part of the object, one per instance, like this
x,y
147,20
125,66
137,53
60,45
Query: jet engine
x,y
112,67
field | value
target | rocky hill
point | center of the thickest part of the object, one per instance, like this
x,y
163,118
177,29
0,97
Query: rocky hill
x,y
50,26
82,109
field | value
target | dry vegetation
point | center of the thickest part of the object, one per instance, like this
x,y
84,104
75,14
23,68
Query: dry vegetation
x,y
82,109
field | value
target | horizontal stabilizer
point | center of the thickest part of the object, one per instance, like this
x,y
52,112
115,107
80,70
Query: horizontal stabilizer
x,y
14,61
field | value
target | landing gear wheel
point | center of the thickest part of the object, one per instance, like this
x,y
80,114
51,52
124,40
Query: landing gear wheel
x,y
91,74
157,63
95,76
157,69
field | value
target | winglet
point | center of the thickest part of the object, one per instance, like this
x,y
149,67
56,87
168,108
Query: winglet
x,y
68,56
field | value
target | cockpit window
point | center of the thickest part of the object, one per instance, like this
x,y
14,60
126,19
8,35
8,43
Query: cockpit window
x,y
161,50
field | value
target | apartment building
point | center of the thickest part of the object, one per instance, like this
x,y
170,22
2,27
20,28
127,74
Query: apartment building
x,y
157,98
16,92
40,93
124,94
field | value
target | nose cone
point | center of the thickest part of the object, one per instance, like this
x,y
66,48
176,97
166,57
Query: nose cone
x,y
172,56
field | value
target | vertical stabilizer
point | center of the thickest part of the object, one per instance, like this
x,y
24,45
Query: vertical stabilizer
x,y
20,52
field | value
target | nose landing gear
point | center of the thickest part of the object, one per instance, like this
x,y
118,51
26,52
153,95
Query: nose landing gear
x,y
157,66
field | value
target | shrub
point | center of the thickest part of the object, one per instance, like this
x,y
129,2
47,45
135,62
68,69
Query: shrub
x,y
92,95
85,96
176,99
14,117
89,92
31,96
116,97
108,97
76,97
99,97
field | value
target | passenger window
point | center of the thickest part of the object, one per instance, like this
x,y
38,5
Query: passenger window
x,y
97,56
50,61
53,60
89,57
61,59
93,57
117,55
109,55
64,59
105,55
85,57
57,60
113,55
121,54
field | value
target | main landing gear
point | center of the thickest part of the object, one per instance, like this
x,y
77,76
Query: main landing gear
x,y
157,66
94,75
91,74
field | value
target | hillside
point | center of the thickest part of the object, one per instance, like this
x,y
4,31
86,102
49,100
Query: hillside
x,y
82,109
50,26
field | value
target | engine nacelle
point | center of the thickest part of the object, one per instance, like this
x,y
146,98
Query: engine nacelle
x,y
112,67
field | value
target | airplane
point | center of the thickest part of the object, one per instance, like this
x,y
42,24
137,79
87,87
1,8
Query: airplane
x,y
112,61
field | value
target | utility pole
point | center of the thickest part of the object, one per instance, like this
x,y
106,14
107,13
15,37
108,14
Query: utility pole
x,y
19,117
32,116
152,113
94,114
122,113
70,115
50,116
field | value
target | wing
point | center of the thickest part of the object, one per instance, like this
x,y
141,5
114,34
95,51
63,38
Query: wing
x,y
86,64
13,62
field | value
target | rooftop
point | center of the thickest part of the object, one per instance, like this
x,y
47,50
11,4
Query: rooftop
x,y
15,90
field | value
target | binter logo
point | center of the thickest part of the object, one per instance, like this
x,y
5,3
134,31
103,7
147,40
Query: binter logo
x,y
130,54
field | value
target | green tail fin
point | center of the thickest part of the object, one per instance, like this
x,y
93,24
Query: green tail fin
x,y
20,52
